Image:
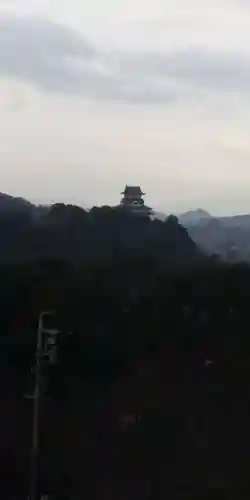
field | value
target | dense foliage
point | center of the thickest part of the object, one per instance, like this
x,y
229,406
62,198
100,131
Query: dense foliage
x,y
69,232
150,396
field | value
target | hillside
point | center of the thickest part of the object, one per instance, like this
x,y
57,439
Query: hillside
x,y
11,204
149,397
69,232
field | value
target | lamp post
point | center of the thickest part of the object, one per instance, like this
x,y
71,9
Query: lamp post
x,y
45,352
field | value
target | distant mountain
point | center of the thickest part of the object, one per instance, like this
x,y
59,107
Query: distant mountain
x,y
228,237
194,216
225,236
236,221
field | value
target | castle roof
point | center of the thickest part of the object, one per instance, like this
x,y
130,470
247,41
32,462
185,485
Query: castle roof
x,y
133,191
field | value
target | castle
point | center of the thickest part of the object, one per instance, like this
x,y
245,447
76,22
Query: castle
x,y
133,202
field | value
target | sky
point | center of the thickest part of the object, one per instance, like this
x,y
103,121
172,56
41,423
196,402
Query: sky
x,y
96,95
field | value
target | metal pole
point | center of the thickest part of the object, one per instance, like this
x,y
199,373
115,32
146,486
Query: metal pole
x,y
34,494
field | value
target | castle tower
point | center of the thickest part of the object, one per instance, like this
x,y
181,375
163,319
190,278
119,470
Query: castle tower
x,y
133,202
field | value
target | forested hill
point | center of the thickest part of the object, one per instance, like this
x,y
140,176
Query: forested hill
x,y
149,398
69,232
150,395
133,293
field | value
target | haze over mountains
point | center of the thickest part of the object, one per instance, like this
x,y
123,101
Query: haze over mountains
x,y
226,236
194,217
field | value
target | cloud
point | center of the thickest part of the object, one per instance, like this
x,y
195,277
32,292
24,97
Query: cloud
x,y
40,52
57,59
201,68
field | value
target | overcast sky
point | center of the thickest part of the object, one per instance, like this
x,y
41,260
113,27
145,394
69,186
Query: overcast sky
x,y
94,95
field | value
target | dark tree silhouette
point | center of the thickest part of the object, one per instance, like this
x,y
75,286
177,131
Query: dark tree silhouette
x,y
150,396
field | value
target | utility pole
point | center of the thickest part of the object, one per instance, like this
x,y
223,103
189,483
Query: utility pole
x,y
36,410
45,349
